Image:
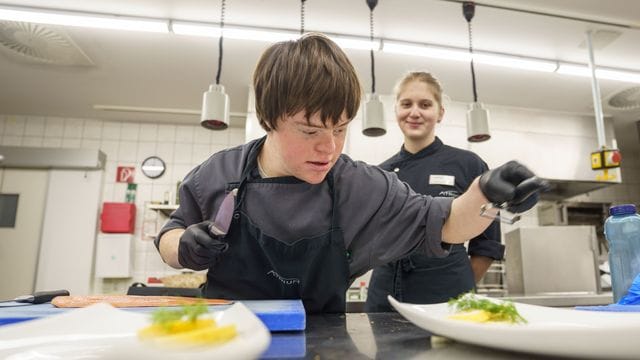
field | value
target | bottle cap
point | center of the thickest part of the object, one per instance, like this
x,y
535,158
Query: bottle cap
x,y
625,209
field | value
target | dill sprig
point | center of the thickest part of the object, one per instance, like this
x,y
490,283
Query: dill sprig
x,y
505,311
165,316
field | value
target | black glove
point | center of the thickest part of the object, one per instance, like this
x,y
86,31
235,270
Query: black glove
x,y
198,246
514,185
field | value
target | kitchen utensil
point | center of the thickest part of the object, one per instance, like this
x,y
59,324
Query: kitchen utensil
x,y
492,211
133,301
220,225
548,331
38,297
277,315
103,332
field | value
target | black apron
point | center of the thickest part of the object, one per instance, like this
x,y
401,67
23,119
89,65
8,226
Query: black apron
x,y
257,266
420,279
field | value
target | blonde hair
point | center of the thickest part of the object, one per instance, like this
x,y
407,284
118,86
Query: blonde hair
x,y
310,74
421,76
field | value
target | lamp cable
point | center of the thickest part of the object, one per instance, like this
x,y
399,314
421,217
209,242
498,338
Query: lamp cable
x,y
302,3
372,5
468,10
222,8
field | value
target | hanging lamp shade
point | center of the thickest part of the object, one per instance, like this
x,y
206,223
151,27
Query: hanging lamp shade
x,y
215,108
477,123
373,123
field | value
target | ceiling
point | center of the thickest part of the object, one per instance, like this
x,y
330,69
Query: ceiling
x,y
171,71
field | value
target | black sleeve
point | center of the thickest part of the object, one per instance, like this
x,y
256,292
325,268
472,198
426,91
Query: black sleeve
x,y
488,243
188,212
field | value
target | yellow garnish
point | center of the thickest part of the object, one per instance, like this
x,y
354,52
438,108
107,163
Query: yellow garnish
x,y
203,336
473,316
474,309
174,327
185,326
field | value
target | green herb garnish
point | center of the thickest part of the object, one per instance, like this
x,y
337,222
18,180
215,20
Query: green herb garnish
x,y
164,316
505,311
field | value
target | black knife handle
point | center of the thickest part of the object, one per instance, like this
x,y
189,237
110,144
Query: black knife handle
x,y
40,297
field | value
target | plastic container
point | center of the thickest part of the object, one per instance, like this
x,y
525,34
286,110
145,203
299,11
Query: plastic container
x,y
118,218
622,230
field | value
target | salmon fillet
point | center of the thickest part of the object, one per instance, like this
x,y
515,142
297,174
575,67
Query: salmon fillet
x,y
131,301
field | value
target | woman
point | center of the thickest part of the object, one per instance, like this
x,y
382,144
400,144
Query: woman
x,y
434,169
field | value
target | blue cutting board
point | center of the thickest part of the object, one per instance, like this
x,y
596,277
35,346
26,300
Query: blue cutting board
x,y
277,315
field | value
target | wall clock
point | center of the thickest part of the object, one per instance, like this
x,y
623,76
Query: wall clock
x,y
153,167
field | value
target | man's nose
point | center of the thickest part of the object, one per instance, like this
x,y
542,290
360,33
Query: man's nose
x,y
326,143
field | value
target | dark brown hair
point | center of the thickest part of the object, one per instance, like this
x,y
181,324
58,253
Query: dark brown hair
x,y
310,74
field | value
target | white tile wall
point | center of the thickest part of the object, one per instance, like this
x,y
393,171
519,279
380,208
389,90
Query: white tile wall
x,y
54,127
92,129
562,143
182,147
148,132
73,128
130,131
32,141
14,125
11,140
34,126
52,142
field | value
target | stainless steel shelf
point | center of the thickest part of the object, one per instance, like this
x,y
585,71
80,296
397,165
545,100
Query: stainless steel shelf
x,y
166,209
564,299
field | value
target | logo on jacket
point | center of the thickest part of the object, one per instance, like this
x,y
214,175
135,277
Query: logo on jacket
x,y
449,193
284,280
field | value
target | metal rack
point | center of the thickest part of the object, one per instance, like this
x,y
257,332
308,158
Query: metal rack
x,y
493,282
154,216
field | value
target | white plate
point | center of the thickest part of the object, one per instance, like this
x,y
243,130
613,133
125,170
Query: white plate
x,y
101,331
549,331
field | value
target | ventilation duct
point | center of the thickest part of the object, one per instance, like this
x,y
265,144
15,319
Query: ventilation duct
x,y
41,44
628,99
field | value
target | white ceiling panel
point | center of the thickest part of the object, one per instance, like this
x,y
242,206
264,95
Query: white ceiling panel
x,y
172,71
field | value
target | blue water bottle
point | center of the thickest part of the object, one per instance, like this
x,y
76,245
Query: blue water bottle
x,y
622,230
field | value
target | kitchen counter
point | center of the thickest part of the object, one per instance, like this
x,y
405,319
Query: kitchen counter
x,y
373,336
564,299
358,336
569,299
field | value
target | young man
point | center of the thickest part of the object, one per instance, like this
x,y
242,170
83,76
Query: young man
x,y
288,216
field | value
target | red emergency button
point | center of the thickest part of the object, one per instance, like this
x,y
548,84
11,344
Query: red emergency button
x,y
605,159
612,158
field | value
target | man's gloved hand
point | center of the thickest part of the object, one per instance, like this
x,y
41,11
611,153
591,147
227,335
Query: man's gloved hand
x,y
198,246
512,184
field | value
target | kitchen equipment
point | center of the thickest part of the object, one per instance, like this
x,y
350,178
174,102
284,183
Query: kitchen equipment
x,y
548,331
118,217
102,332
38,297
133,301
142,289
622,230
220,225
114,255
277,315
552,259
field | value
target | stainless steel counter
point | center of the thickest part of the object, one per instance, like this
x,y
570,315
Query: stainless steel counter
x,y
564,299
569,299
373,336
